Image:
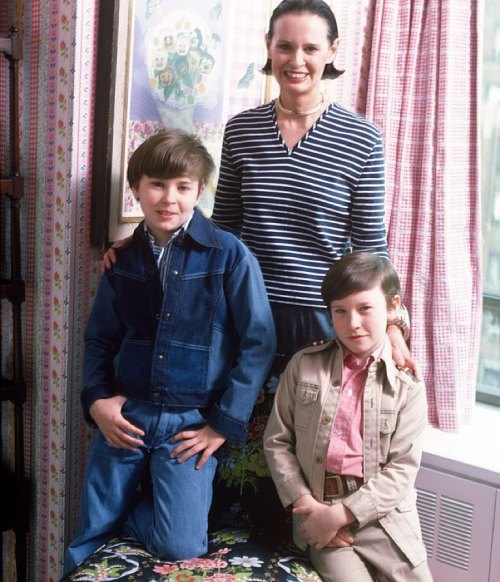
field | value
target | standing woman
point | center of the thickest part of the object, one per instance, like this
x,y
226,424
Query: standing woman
x,y
302,180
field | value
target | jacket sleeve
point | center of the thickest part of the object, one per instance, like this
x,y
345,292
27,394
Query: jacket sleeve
x,y
368,205
279,440
103,337
249,306
394,483
228,207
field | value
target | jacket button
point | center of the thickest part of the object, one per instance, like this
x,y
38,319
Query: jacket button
x,y
156,394
319,460
160,356
175,272
326,420
167,316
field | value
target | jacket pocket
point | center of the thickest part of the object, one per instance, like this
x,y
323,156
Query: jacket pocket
x,y
305,397
388,420
403,527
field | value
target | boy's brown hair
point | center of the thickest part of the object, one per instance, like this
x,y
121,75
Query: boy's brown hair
x,y
357,272
170,154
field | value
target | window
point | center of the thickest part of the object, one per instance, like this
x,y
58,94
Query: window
x,y
488,385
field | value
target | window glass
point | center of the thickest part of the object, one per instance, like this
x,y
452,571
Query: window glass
x,y
488,388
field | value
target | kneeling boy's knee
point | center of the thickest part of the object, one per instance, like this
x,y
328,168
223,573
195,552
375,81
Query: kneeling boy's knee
x,y
174,550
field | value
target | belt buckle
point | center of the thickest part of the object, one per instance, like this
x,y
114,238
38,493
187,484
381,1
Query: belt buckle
x,y
339,484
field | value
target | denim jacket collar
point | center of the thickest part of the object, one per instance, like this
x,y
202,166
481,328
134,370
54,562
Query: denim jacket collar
x,y
199,230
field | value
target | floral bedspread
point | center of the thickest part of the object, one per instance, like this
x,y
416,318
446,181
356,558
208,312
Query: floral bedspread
x,y
233,555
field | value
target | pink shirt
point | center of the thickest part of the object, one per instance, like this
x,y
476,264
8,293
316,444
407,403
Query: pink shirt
x,y
345,451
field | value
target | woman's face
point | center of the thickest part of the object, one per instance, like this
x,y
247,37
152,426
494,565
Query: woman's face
x,y
299,51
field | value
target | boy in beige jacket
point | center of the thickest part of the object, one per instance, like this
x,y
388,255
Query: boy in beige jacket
x,y
344,440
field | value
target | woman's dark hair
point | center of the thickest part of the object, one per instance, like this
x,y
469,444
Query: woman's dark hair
x,y
357,272
170,154
317,7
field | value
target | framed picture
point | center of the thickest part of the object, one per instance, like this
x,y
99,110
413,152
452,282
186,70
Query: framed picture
x,y
165,64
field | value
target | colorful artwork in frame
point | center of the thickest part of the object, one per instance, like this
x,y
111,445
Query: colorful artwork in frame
x,y
189,65
177,66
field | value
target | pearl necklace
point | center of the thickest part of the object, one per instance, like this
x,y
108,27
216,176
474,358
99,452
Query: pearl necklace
x,y
315,109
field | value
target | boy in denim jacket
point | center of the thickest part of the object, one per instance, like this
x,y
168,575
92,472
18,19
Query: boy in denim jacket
x,y
178,344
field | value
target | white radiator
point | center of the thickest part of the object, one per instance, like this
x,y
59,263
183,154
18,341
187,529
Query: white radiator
x,y
459,508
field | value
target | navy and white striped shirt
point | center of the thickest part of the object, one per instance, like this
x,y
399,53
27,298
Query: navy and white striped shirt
x,y
302,208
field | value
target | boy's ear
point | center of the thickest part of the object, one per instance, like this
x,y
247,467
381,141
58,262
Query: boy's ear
x,y
394,305
201,189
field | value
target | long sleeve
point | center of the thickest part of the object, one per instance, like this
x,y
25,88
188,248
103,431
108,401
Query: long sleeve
x,y
279,440
368,232
254,354
228,207
103,336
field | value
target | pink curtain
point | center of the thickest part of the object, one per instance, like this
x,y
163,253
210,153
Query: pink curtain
x,y
422,90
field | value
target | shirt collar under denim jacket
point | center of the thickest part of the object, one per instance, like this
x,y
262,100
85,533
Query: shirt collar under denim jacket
x,y
207,341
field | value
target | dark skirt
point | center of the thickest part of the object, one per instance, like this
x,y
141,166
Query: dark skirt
x,y
296,328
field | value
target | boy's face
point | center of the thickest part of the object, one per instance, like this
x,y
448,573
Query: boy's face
x,y
360,320
167,203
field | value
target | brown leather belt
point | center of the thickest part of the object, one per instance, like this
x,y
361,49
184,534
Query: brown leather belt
x,y
340,485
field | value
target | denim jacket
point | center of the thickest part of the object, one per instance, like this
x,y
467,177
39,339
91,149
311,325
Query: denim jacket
x,y
205,342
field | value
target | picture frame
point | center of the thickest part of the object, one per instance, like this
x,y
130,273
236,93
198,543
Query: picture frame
x,y
135,98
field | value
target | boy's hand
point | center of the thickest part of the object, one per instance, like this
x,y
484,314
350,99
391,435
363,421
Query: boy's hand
x,y
109,258
321,523
343,539
204,440
118,432
400,352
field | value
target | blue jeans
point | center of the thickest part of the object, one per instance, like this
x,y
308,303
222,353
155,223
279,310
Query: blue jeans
x,y
172,522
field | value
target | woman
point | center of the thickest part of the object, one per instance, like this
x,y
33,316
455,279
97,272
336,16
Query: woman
x,y
302,181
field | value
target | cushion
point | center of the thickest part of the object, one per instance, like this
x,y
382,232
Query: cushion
x,y
233,555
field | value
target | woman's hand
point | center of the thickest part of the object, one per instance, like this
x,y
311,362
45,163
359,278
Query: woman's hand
x,y
400,352
109,258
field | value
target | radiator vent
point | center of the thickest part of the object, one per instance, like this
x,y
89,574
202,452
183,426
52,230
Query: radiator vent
x,y
427,505
446,525
455,532
457,519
